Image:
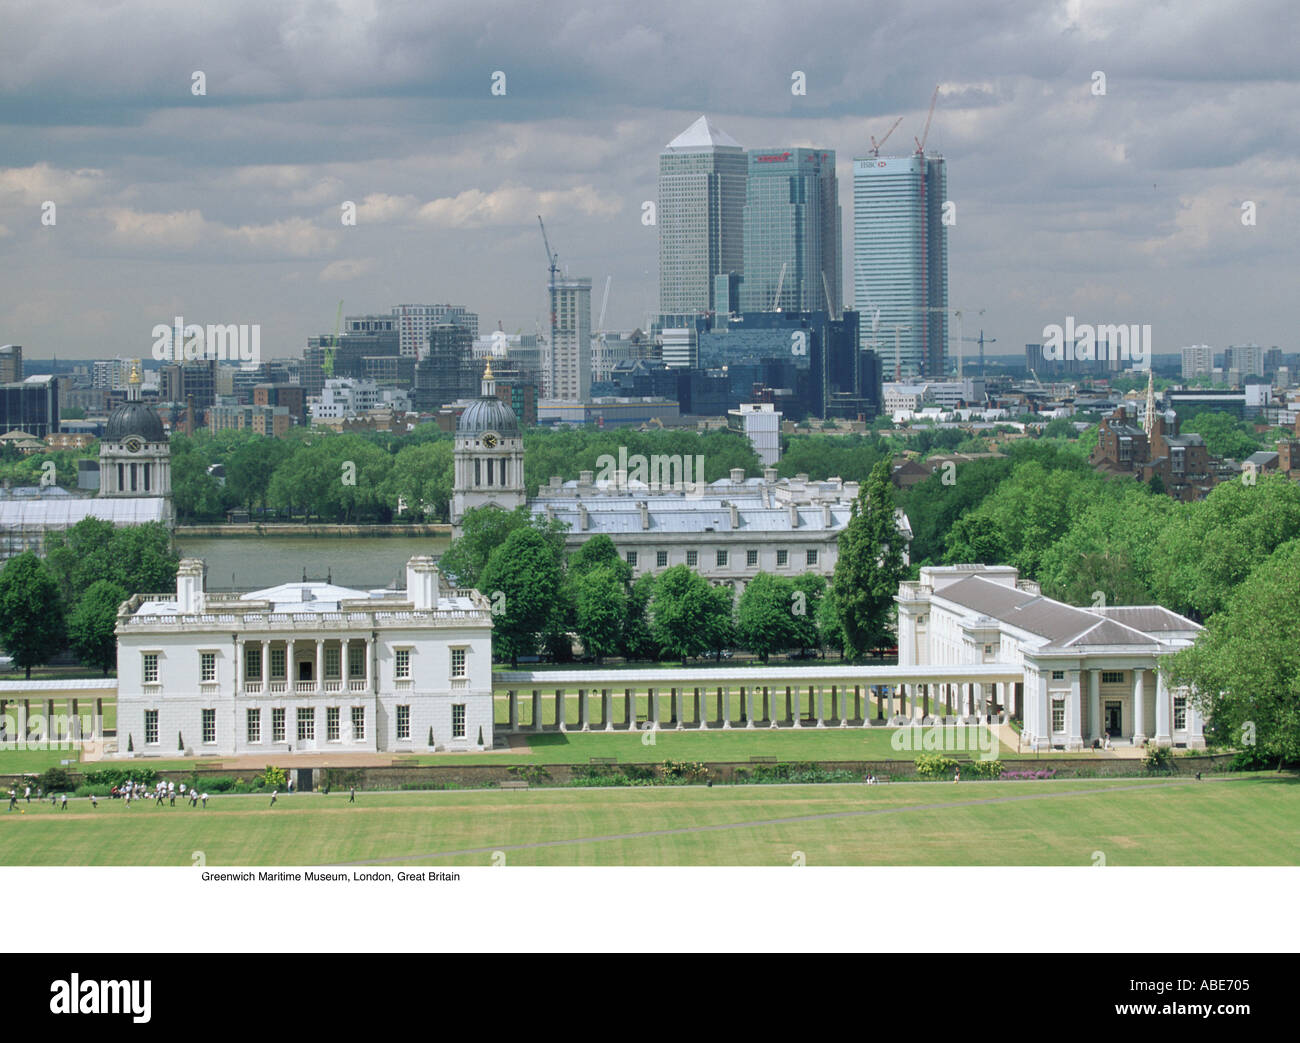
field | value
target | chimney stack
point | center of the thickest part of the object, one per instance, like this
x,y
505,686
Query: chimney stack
x,y
189,586
422,583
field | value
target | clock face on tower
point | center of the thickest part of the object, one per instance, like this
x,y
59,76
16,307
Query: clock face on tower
x,y
133,444
490,440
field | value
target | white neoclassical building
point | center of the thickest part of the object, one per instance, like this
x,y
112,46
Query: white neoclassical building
x,y
1088,672
304,667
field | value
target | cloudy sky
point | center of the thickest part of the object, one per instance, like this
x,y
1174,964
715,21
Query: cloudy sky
x,y
1117,208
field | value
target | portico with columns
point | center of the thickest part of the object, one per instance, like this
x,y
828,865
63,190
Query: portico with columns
x,y
1089,674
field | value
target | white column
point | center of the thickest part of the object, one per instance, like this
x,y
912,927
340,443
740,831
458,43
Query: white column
x,y
678,694
559,710
1094,704
319,672
654,708
513,698
749,706
1164,711
1139,707
1195,726
537,709
1043,728
726,706
366,645
583,724
266,665
629,708
1074,713
606,706
821,706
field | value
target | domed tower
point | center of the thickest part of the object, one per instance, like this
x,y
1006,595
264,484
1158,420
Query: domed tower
x,y
489,455
134,457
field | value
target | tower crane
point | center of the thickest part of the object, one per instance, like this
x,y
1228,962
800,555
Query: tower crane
x,y
876,146
552,267
925,134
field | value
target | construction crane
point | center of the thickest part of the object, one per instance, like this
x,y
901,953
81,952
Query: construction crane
x,y
327,363
898,355
776,300
981,342
602,353
876,146
552,267
925,134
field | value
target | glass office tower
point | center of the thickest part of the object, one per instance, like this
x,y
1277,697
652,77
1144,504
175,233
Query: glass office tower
x,y
792,232
900,261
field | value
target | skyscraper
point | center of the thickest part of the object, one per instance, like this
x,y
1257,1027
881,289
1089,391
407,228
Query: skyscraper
x,y
568,372
792,232
900,259
413,322
700,215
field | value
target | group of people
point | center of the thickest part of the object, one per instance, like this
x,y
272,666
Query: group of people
x,y
127,792
162,791
57,800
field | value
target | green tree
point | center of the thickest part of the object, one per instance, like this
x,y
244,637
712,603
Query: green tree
x,y
870,565
1207,549
525,569
138,558
31,612
600,608
807,591
599,552
92,623
764,620
421,478
637,641
687,618
1244,669
483,530
1224,435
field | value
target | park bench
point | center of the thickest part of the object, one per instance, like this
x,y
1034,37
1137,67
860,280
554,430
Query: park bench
x,y
514,784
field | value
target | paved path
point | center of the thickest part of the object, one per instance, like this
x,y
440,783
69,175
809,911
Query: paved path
x,y
757,823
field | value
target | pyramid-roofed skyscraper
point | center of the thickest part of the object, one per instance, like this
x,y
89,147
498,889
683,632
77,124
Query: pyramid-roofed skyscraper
x,y
700,216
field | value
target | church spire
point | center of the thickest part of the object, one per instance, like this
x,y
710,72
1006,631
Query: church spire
x,y
489,383
133,382
1150,418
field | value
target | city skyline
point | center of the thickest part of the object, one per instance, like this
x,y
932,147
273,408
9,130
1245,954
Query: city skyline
x,y
226,206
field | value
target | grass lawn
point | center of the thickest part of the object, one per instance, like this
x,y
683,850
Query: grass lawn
x,y
1248,820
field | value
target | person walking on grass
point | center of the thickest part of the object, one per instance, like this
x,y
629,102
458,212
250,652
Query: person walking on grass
x,y
204,798
64,805
274,793
352,794
956,775
194,797
94,803
171,793
13,798
27,794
